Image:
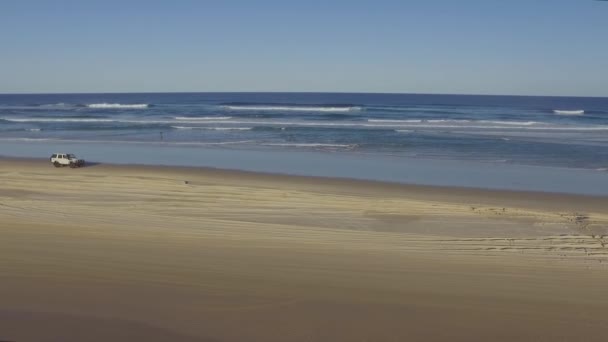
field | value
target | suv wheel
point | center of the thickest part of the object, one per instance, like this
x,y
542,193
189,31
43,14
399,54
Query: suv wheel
x,y
56,164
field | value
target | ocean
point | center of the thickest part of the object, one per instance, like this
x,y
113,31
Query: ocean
x,y
504,131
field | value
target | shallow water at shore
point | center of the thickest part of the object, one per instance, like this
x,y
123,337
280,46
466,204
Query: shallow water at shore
x,y
474,174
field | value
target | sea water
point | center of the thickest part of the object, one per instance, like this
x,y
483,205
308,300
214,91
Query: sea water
x,y
459,140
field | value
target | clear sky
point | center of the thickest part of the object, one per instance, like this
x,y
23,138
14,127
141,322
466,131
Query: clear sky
x,y
528,47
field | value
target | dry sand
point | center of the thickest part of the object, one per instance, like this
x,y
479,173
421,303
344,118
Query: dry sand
x,y
132,253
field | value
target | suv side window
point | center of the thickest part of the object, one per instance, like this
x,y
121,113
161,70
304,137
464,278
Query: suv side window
x,y
54,156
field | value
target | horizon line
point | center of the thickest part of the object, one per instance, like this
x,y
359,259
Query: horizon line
x,y
291,92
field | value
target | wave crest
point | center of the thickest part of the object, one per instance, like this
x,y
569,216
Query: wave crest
x,y
214,128
294,108
117,105
495,122
57,120
311,145
569,112
202,118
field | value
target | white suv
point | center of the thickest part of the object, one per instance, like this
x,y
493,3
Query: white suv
x,y
66,159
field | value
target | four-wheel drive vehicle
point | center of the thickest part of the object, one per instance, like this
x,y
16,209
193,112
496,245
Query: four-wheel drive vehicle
x,y
66,159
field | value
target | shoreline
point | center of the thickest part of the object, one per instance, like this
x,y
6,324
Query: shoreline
x,y
328,165
353,183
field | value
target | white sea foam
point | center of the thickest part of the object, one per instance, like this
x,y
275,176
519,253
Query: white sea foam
x,y
56,105
408,121
397,121
385,124
231,128
513,128
311,145
445,120
34,129
394,121
461,125
181,143
515,123
29,139
569,112
218,143
57,120
554,128
118,105
295,108
214,128
141,121
202,118
41,107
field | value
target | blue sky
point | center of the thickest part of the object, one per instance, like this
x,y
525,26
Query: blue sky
x,y
541,47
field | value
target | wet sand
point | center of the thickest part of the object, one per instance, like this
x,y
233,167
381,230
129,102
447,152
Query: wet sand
x,y
127,253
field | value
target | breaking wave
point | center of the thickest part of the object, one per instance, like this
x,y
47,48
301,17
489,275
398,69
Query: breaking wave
x,y
59,105
56,105
214,128
118,105
428,124
569,112
409,121
179,123
194,118
395,121
57,120
294,108
311,145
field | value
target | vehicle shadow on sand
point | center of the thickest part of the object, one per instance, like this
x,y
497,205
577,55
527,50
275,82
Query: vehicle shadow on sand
x,y
85,166
90,164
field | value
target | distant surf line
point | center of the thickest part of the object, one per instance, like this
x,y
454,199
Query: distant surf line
x,y
295,108
569,112
214,128
117,105
429,124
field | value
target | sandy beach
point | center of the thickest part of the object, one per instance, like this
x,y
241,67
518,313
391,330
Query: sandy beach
x,y
130,253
